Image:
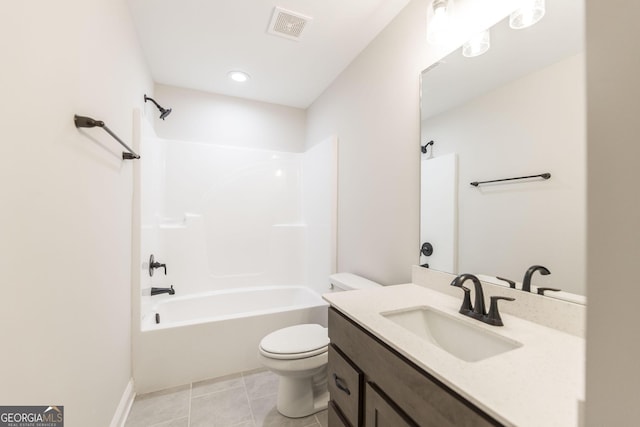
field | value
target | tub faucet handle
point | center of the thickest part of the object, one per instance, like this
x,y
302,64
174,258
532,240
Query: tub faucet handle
x,y
153,264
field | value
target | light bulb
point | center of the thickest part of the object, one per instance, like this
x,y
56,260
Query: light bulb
x,y
529,13
477,45
439,26
238,76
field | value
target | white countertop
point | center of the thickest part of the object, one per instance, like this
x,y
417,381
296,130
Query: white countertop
x,y
538,384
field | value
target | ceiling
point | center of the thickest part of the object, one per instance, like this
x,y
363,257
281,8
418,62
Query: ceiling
x,y
195,43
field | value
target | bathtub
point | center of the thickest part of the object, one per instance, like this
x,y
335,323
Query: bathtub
x,y
215,333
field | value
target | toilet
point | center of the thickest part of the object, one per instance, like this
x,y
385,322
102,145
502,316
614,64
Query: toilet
x,y
298,355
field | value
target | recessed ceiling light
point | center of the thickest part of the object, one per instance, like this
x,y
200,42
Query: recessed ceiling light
x,y
238,76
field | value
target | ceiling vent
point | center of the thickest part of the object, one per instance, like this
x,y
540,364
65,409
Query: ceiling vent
x,y
287,24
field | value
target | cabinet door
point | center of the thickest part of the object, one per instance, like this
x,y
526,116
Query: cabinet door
x,y
336,419
381,412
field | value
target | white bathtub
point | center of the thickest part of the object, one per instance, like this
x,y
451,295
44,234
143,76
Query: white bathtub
x,y
228,304
215,333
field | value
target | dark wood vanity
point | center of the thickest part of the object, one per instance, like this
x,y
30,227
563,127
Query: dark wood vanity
x,y
373,385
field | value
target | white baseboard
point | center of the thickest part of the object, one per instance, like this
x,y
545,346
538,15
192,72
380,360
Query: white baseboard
x,y
122,411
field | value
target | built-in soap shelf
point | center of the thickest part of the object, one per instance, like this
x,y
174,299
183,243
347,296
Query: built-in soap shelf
x,y
173,223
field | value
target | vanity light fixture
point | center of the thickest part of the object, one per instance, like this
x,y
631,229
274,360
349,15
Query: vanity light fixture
x,y
477,45
438,25
238,76
528,13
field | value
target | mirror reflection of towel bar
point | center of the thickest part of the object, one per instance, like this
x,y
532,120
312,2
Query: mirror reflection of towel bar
x,y
87,122
542,175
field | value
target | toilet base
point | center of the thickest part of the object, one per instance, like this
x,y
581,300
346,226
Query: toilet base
x,y
301,397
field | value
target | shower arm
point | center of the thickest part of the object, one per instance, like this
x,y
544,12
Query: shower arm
x,y
164,112
88,122
146,98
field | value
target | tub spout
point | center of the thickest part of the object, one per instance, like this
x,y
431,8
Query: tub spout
x,y
158,291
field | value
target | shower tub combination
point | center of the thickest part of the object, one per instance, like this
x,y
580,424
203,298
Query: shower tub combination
x,y
248,236
216,333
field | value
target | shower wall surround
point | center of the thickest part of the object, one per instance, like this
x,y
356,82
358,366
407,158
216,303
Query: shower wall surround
x,y
227,217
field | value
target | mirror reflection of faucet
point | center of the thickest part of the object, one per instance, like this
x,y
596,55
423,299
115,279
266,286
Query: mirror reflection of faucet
x,y
153,264
526,282
511,283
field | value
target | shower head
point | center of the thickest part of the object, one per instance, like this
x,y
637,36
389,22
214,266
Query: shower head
x,y
163,112
424,147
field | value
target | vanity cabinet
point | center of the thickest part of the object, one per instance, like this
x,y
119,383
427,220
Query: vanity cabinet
x,y
372,385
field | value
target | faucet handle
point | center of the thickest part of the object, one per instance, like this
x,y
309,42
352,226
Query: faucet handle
x,y
153,264
493,318
541,291
511,283
466,306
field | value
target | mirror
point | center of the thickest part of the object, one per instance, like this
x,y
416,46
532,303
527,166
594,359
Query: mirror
x,y
517,110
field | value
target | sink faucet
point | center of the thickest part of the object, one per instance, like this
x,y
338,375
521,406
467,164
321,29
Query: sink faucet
x,y
526,282
158,291
477,310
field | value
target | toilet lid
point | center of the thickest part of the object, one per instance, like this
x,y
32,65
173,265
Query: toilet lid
x,y
296,339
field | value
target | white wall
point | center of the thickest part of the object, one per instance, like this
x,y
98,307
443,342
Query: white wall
x,y
65,226
532,125
200,116
373,108
613,222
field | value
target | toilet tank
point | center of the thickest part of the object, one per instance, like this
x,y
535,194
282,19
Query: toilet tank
x,y
349,281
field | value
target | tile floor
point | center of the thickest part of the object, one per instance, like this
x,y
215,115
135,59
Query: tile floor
x,y
247,399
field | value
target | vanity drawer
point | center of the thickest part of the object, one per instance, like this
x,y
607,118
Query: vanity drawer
x,y
345,385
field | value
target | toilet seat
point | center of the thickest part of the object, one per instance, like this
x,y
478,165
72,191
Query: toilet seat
x,y
292,356
295,342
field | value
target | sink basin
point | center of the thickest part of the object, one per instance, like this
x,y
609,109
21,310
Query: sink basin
x,y
459,338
